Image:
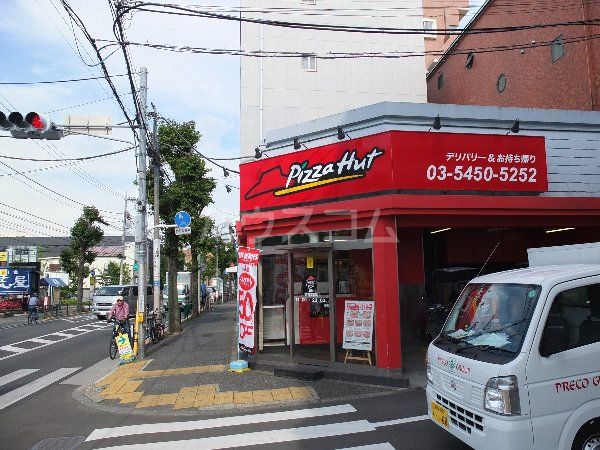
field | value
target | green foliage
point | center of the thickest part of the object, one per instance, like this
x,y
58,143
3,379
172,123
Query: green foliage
x,y
111,273
188,188
85,234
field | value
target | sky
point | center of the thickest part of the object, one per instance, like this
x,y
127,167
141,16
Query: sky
x,y
40,44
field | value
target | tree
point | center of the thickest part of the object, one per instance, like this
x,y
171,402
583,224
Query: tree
x,y
188,188
111,274
84,235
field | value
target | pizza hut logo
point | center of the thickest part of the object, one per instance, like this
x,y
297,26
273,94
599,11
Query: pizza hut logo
x,y
303,176
246,281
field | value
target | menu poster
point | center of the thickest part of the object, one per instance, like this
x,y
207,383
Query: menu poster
x,y
247,271
358,324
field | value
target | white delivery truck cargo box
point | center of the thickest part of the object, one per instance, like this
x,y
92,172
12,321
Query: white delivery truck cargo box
x,y
564,254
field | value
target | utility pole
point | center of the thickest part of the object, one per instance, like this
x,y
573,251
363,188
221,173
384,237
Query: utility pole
x,y
156,246
123,241
140,234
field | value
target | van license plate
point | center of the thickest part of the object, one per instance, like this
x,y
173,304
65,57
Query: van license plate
x,y
439,414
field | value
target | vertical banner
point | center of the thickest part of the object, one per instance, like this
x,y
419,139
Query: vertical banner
x,y
247,273
156,263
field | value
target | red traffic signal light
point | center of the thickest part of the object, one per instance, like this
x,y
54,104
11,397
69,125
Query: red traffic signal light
x,y
33,126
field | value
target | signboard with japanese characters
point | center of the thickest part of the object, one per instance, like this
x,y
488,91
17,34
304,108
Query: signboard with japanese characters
x,y
15,281
247,272
396,160
358,324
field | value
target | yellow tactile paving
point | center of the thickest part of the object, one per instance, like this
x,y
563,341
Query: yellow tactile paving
x,y
130,386
222,398
281,394
204,399
186,370
115,385
171,372
147,401
183,403
188,391
242,397
166,399
207,388
216,368
112,396
132,397
300,392
149,374
262,396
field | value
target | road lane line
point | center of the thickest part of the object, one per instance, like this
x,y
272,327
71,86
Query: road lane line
x,y
104,433
16,375
259,437
387,423
31,388
12,348
382,446
41,341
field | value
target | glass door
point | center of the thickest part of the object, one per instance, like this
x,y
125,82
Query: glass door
x,y
312,316
274,303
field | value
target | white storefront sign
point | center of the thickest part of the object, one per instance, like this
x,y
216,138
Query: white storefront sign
x,y
358,324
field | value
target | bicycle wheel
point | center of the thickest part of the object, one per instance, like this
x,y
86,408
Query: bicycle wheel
x,y
113,348
153,336
159,331
29,319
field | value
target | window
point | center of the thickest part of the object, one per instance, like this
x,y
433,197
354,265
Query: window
x,y
429,24
573,320
440,81
557,48
501,83
309,63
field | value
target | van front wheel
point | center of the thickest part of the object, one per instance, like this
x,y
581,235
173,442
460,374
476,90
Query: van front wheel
x,y
588,438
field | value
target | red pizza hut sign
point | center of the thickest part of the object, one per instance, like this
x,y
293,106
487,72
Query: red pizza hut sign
x,y
396,160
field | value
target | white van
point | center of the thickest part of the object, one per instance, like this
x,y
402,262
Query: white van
x,y
517,364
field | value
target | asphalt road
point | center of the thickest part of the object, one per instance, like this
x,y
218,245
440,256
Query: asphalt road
x,y
38,410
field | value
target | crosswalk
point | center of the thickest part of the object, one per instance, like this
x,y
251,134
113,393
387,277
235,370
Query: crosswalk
x,y
73,319
28,345
37,383
312,423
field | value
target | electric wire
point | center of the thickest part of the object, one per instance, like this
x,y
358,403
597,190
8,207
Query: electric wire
x,y
31,214
28,83
81,158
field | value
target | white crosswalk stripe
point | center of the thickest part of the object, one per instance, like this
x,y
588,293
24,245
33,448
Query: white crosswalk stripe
x,y
15,349
32,387
279,425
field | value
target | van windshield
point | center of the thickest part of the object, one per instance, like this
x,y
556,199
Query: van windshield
x,y
491,318
109,290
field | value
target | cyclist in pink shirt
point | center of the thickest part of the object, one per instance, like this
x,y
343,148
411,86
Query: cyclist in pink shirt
x,y
120,311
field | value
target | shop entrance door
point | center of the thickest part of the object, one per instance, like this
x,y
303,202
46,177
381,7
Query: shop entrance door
x,y
313,312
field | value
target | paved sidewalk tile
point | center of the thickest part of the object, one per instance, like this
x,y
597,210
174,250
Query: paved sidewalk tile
x,y
166,399
242,397
204,399
130,386
132,397
147,401
222,398
262,396
281,394
301,392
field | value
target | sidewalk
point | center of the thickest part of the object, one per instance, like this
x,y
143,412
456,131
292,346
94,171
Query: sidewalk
x,y
188,374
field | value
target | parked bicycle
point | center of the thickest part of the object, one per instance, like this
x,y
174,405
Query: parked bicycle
x,y
33,315
154,330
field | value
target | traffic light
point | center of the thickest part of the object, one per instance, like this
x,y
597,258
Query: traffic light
x,y
33,126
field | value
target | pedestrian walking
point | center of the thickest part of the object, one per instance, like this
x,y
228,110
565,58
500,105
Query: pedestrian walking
x,y
202,295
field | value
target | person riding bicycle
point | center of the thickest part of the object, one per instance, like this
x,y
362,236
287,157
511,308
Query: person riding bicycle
x,y
32,304
120,312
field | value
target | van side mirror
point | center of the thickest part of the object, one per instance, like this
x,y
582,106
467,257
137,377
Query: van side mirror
x,y
554,340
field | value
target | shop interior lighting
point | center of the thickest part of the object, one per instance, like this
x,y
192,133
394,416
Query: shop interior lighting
x,y
556,230
257,153
515,126
341,134
441,230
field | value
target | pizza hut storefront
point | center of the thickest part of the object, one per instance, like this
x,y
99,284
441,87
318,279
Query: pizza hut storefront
x,y
345,234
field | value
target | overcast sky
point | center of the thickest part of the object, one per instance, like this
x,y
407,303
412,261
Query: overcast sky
x,y
39,45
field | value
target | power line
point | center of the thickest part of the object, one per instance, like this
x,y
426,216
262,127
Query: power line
x,y
33,215
81,158
185,11
27,83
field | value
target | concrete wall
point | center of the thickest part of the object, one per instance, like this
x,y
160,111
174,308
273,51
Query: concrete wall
x,y
290,95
